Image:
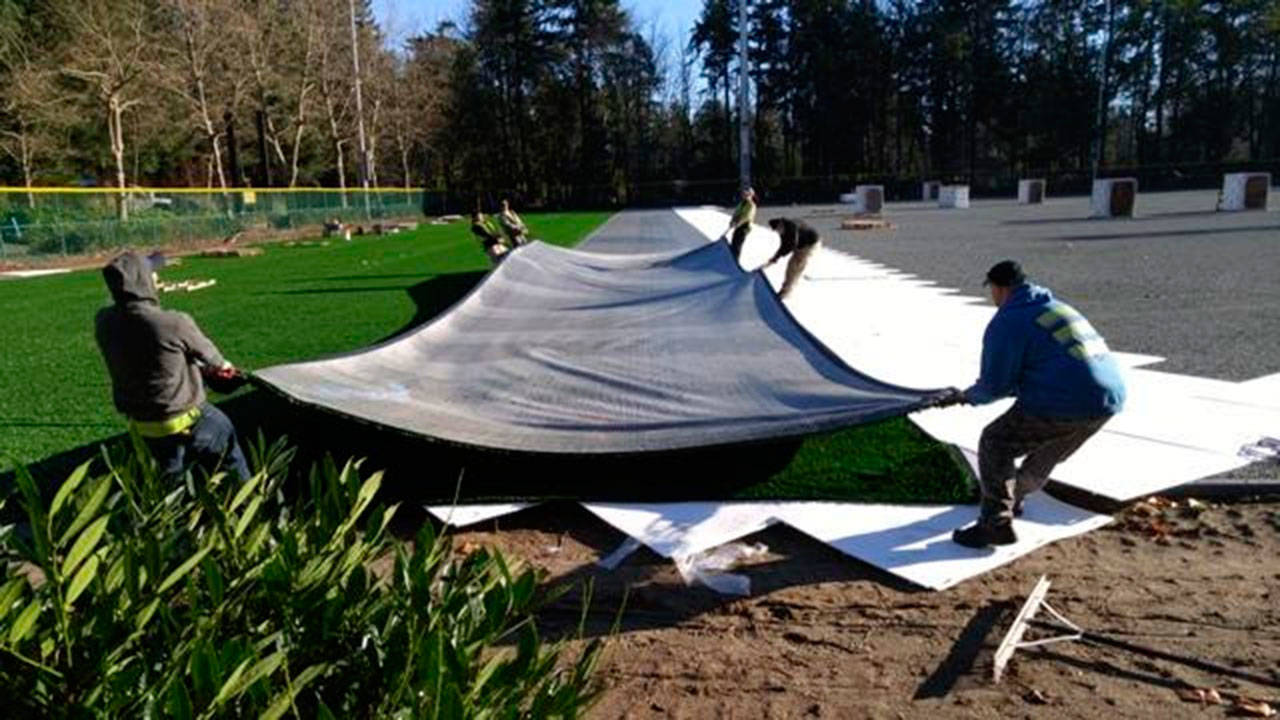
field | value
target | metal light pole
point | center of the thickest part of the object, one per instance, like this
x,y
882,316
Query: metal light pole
x,y
1100,137
744,128
362,167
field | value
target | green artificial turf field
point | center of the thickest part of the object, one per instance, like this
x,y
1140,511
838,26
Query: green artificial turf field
x,y
304,300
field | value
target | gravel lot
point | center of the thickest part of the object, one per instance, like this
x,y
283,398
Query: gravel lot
x,y
1179,280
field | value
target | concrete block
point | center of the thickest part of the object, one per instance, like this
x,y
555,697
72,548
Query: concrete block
x,y
1031,192
1245,191
1114,197
953,196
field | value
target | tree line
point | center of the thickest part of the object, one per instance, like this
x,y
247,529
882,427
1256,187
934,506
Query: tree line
x,y
577,102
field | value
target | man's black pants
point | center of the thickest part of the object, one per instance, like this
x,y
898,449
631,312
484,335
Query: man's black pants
x,y
739,237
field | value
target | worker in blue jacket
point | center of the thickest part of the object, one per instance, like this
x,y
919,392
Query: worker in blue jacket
x,y
1045,354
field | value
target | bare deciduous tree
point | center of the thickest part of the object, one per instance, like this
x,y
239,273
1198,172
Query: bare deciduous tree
x,y
282,43
27,105
196,67
422,95
109,50
334,82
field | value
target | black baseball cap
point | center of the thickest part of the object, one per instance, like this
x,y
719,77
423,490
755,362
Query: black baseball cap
x,y
1006,273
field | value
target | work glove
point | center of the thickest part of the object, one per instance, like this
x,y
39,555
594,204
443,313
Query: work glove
x,y
226,379
946,398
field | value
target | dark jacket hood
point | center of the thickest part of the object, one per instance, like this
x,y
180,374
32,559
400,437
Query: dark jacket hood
x,y
128,277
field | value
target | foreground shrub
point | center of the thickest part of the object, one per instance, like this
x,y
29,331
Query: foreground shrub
x,y
127,597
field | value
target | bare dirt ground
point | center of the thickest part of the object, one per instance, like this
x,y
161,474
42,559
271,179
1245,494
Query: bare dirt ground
x,y
823,635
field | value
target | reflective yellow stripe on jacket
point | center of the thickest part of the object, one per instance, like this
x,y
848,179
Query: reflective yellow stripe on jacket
x,y
1079,337
169,426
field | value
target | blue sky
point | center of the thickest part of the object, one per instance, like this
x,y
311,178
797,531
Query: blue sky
x,y
404,17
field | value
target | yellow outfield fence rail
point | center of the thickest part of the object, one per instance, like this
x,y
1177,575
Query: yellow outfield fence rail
x,y
70,220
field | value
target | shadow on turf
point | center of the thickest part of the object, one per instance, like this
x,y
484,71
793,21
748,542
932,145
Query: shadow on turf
x,y
420,470
351,278
438,293
338,291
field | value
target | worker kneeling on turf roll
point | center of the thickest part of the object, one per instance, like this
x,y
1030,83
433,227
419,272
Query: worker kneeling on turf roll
x,y
1067,386
156,359
797,239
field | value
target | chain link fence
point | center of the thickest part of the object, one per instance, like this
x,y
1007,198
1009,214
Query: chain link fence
x,y
67,221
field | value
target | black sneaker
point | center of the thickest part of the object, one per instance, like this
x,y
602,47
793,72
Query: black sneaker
x,y
980,535
1017,509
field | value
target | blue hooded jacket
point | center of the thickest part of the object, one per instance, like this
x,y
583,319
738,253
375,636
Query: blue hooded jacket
x,y
1045,353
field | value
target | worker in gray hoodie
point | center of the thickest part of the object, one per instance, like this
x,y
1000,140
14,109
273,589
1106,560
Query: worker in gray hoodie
x,y
156,359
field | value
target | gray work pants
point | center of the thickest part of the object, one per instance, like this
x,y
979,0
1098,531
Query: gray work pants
x,y
1042,443
795,268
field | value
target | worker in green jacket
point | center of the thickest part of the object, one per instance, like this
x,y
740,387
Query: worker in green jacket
x,y
740,223
517,232
490,238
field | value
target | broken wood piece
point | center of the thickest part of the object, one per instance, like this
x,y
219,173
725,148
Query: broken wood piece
x,y
866,223
1253,708
185,285
226,252
1204,696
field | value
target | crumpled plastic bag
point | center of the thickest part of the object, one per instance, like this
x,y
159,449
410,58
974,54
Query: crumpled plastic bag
x,y
708,567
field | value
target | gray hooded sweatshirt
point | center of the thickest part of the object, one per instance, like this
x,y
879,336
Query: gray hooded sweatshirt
x,y
152,354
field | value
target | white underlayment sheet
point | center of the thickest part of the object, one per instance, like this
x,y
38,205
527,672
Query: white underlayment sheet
x,y
910,541
914,542
463,515
898,328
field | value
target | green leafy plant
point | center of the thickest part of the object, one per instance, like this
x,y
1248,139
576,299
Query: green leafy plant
x,y
125,596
